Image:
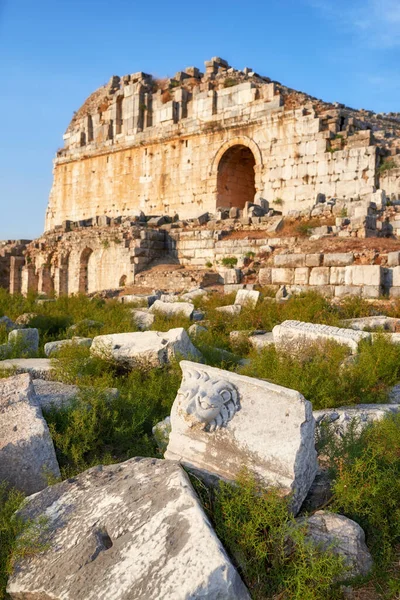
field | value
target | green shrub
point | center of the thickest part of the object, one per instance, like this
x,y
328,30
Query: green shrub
x,y
387,165
271,551
229,261
366,472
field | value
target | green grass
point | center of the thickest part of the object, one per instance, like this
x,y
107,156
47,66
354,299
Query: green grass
x,y
272,552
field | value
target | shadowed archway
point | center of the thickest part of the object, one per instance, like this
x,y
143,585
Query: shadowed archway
x,y
84,270
236,177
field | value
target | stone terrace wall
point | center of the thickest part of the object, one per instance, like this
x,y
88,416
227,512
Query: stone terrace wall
x,y
11,254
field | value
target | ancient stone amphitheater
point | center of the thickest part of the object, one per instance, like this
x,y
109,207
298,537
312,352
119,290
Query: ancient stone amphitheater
x,y
187,171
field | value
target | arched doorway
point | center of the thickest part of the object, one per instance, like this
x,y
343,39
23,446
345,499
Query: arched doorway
x,y
236,177
84,270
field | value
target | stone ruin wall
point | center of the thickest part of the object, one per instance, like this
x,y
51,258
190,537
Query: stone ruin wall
x,y
186,145
207,146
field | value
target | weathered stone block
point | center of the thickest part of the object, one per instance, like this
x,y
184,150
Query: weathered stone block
x,y
39,368
301,276
264,276
240,421
27,453
393,259
53,347
232,309
290,260
173,308
339,259
26,340
293,335
319,276
337,276
247,297
313,260
130,530
145,348
363,275
282,276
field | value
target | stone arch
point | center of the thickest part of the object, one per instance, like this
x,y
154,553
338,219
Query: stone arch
x,y
84,270
236,173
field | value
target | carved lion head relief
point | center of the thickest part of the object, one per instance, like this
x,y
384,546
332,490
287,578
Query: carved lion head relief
x,y
210,401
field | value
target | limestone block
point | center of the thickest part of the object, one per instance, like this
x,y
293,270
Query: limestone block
x,y
339,259
264,276
301,276
53,347
26,448
161,432
363,414
131,530
282,276
261,340
393,259
39,368
231,275
363,275
170,309
247,297
292,335
337,275
222,421
233,309
145,348
7,324
342,291
319,276
313,260
376,322
192,294
26,340
290,260
143,318
395,276
371,291
341,536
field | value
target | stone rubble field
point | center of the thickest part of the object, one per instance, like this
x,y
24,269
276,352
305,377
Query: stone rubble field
x,y
199,445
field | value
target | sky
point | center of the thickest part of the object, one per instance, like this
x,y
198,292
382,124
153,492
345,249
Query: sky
x,y
54,53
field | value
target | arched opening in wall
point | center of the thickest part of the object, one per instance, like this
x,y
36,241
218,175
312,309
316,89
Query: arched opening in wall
x,y
236,178
84,270
122,281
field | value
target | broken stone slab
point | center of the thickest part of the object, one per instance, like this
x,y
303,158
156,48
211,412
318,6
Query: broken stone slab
x,y
222,422
27,454
377,322
143,318
171,309
192,294
343,537
145,348
39,368
26,340
143,299
89,324
54,394
24,319
259,341
161,432
130,530
232,309
363,414
53,347
247,297
293,335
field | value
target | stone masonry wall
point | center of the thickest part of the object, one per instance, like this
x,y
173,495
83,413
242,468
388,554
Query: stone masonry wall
x,y
163,148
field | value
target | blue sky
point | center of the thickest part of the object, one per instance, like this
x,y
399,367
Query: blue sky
x,y
54,53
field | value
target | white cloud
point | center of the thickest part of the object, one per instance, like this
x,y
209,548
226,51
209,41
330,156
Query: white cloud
x,y
375,22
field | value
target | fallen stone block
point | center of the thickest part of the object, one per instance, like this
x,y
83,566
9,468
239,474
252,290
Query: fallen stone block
x,y
377,322
142,299
7,323
222,422
192,294
259,341
132,530
143,318
231,309
39,368
171,309
293,335
343,537
27,454
231,276
195,329
161,432
26,340
54,347
364,414
57,395
145,348
247,297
